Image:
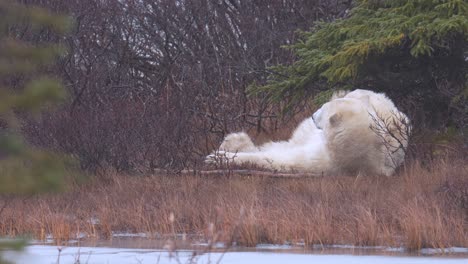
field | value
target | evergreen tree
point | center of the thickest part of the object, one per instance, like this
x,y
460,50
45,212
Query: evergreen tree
x,y
411,49
23,89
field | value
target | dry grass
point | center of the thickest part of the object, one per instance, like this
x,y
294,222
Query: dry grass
x,y
420,207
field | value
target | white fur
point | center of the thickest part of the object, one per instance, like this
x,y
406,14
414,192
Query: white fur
x,y
338,139
395,141
304,151
236,142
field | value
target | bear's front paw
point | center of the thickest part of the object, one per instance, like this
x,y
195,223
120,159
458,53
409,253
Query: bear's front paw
x,y
220,158
216,158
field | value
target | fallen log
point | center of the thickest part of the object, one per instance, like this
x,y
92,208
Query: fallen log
x,y
238,172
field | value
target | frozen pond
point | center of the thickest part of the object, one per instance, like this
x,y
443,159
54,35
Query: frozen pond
x,y
43,254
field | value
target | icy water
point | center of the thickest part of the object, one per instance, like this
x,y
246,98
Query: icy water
x,y
138,249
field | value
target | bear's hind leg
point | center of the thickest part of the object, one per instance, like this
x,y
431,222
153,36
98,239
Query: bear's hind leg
x,y
238,142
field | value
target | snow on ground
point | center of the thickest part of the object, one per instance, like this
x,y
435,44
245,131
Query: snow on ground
x,y
43,254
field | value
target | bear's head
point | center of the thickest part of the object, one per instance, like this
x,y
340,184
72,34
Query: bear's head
x,y
351,144
364,132
341,112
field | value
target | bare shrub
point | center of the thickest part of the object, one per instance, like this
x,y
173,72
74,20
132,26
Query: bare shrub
x,y
157,84
394,133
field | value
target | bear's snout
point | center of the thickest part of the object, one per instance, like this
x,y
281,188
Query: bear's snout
x,y
316,118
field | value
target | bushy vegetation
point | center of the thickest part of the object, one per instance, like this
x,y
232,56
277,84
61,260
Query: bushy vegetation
x,y
157,84
415,51
23,89
152,85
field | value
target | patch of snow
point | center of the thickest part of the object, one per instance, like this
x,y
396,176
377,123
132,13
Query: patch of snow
x,y
300,244
94,221
81,235
274,247
431,251
36,241
115,234
215,245
395,249
353,247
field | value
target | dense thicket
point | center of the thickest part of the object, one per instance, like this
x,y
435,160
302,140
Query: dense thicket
x,y
415,51
156,83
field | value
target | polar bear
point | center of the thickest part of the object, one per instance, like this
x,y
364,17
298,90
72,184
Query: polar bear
x,y
355,132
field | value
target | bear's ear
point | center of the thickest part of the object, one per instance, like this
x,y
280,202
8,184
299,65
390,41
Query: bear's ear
x,y
335,119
